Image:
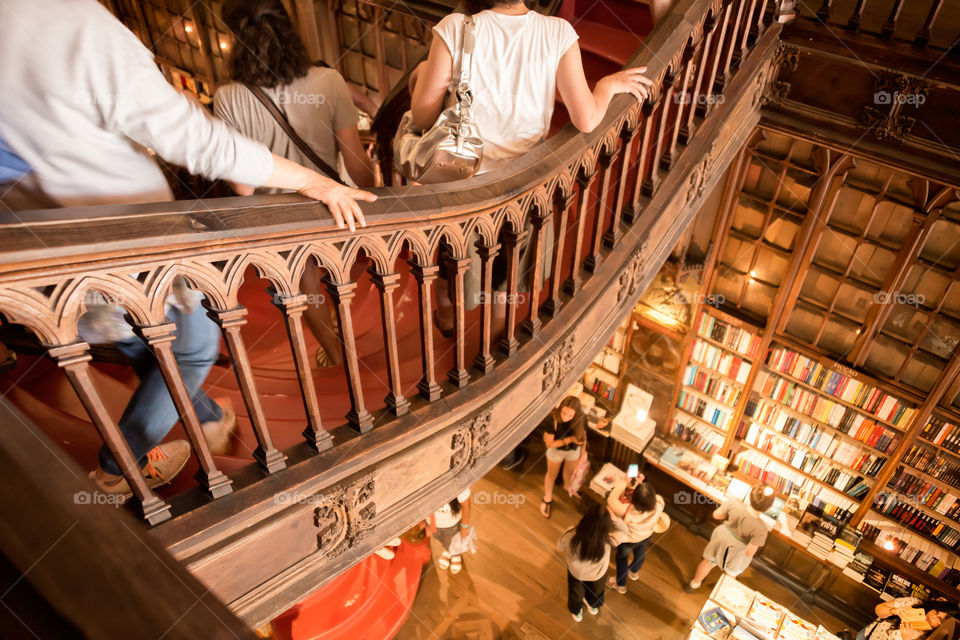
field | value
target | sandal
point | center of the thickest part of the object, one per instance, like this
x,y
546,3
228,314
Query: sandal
x,y
443,561
545,508
456,564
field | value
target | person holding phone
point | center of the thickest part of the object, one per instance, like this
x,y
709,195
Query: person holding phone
x,y
565,435
907,619
637,504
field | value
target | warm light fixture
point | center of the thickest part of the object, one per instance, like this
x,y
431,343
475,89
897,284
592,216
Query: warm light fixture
x,y
641,415
223,45
888,544
188,28
753,274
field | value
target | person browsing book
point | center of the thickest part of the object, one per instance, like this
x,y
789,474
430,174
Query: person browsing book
x,y
637,504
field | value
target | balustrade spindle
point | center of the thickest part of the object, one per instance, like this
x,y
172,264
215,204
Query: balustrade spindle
x,y
458,375
683,103
572,284
425,275
562,200
508,343
293,308
230,321
747,31
731,49
613,233
853,24
386,283
703,61
484,360
890,26
923,36
539,219
666,105
823,13
342,293
715,57
73,359
160,340
592,262
646,153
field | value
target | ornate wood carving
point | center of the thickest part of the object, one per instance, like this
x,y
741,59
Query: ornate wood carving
x,y
469,442
344,518
893,91
557,364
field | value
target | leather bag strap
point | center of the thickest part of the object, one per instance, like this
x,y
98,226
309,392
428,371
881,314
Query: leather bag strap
x,y
281,119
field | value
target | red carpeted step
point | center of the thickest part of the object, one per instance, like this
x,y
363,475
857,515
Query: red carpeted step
x,y
611,42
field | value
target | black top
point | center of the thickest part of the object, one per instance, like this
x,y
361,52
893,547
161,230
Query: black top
x,y
560,430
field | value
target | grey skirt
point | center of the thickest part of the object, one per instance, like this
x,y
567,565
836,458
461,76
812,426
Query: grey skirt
x,y
727,551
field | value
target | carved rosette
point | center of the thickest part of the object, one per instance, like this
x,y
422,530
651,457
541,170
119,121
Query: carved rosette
x,y
557,364
893,92
346,516
630,276
469,442
699,175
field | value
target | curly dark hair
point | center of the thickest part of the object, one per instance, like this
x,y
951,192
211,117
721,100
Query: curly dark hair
x,y
476,6
268,51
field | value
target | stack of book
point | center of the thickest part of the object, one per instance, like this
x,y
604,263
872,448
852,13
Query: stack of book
x,y
821,546
876,577
857,569
845,547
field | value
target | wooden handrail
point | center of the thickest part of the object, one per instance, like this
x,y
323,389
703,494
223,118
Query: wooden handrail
x,y
50,260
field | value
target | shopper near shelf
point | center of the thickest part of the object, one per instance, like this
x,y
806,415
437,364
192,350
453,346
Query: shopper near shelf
x,y
565,435
638,506
585,550
734,543
450,525
907,619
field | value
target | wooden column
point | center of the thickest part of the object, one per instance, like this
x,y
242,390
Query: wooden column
x,y
731,49
613,233
458,375
293,308
267,456
703,60
484,361
562,201
386,283
652,180
593,260
73,359
540,220
508,344
683,102
160,340
342,293
632,211
572,284
713,61
425,275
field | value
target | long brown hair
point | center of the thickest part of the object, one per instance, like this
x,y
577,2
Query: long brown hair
x,y
579,419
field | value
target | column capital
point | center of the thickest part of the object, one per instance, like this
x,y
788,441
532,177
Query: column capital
x,y
340,291
384,281
513,238
459,265
158,333
487,252
423,272
71,354
227,318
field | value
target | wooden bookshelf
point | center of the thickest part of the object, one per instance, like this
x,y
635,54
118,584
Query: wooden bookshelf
x,y
892,561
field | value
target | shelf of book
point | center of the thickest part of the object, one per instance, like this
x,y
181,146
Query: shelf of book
x,y
895,562
942,434
799,488
729,332
700,420
901,526
703,366
927,490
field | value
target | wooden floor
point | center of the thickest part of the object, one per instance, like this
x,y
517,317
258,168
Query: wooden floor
x,y
515,586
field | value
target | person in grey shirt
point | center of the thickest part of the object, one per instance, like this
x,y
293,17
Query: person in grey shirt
x,y
585,549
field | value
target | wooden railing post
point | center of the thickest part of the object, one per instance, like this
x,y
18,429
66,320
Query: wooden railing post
x,y
606,159
425,275
386,283
160,340
562,200
572,284
508,343
539,219
73,359
683,102
267,456
646,116
703,60
293,308
484,361
458,375
652,181
342,293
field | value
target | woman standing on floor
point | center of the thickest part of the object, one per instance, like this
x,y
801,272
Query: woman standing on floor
x,y
639,506
565,434
585,550
447,523
734,543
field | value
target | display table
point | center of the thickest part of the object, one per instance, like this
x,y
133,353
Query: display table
x,y
735,611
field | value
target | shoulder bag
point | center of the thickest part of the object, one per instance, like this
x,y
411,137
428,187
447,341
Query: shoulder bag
x,y
281,119
451,149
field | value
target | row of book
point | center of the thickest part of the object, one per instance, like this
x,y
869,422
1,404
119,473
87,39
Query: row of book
x,y
927,460
943,433
712,385
838,385
603,389
809,434
703,438
708,411
721,361
828,412
803,459
788,481
734,338
923,491
912,549
912,517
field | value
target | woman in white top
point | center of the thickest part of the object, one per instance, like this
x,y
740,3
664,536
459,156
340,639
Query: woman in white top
x,y
889,624
448,522
520,60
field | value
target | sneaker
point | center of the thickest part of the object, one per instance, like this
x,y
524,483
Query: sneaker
x,y
385,553
612,584
176,453
577,617
218,432
509,464
633,576
689,588
593,610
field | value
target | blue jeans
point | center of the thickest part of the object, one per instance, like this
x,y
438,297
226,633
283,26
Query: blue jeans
x,y
151,414
639,550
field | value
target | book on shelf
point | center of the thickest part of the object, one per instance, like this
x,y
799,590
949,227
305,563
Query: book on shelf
x,y
898,586
851,391
892,505
701,437
719,360
942,433
712,385
858,567
876,577
734,338
709,411
927,460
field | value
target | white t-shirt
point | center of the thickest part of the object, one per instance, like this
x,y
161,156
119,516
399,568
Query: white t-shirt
x,y
513,77
80,98
445,517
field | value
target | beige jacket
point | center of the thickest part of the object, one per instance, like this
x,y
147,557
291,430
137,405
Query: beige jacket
x,y
639,525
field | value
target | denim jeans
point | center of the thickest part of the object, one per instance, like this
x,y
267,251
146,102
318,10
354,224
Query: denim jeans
x,y
577,589
151,414
639,550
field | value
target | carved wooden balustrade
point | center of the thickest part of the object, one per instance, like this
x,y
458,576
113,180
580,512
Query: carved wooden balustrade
x,y
619,197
